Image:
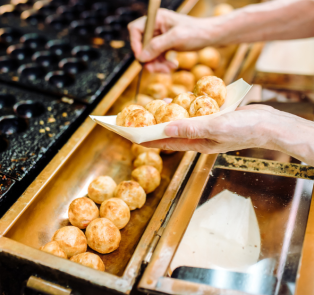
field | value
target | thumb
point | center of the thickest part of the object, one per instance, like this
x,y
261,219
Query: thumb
x,y
191,129
157,46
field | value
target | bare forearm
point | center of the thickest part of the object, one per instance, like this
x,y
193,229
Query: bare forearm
x,y
291,135
275,20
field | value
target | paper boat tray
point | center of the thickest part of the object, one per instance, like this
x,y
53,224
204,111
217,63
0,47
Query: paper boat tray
x,y
235,94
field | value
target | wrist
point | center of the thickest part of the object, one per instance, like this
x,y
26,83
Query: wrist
x,y
291,135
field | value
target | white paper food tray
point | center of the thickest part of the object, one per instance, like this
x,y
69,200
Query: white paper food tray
x,y
235,94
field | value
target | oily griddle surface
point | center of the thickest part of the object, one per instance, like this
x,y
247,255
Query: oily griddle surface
x,y
102,153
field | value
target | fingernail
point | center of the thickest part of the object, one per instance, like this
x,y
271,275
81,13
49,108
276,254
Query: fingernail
x,y
172,131
144,56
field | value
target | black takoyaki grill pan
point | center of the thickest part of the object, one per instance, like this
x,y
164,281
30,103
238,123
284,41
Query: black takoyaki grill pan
x,y
57,59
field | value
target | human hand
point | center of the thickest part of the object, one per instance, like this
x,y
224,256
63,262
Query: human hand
x,y
247,127
172,31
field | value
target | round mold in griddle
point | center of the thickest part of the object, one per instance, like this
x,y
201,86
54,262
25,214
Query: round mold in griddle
x,y
45,58
107,33
45,8
4,144
33,40
59,79
68,13
8,11
58,47
60,2
92,17
115,22
72,65
12,124
22,5
7,100
85,52
29,109
3,45
127,11
82,27
19,51
33,17
9,35
8,64
80,5
101,8
58,22
31,71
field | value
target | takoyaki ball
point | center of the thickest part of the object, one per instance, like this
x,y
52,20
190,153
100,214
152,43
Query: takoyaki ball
x,y
82,211
54,249
202,106
90,260
143,99
212,86
122,115
184,78
200,71
131,193
101,189
162,78
153,106
71,240
149,158
157,90
184,99
187,59
175,90
139,118
137,149
221,9
103,236
117,211
170,112
209,56
148,177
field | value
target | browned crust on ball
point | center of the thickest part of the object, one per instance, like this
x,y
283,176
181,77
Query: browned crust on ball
x,y
184,99
200,71
54,248
117,211
82,211
148,177
202,106
71,240
139,118
154,105
103,236
184,78
210,57
131,193
137,149
157,90
149,158
170,112
213,87
101,189
90,260
122,115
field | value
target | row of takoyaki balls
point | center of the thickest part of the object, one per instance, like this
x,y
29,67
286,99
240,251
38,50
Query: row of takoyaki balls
x,y
103,224
208,95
